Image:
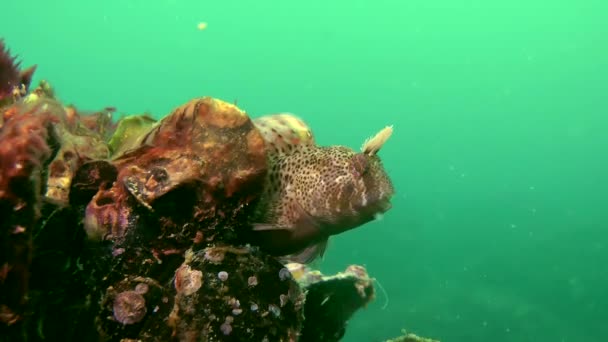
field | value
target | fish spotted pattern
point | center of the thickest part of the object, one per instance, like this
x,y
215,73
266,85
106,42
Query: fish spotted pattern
x,y
314,192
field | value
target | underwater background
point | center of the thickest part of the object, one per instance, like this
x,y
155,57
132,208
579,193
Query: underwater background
x,y
499,229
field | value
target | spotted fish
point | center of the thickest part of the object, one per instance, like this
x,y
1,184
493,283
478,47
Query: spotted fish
x,y
284,133
314,192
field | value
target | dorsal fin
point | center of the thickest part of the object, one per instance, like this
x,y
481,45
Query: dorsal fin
x,y
284,132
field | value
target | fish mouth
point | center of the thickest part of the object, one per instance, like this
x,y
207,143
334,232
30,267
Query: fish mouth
x,y
385,206
379,206
382,206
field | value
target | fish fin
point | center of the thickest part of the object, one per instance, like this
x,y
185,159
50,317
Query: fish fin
x,y
267,227
322,248
284,133
285,238
308,254
305,223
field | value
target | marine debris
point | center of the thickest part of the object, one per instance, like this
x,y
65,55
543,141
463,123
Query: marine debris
x,y
141,229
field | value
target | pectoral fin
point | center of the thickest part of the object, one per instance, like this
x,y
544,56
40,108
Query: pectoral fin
x,y
308,254
290,237
260,227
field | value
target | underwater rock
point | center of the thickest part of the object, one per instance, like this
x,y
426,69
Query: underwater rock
x,y
164,211
188,182
71,142
193,176
24,152
133,304
40,150
99,123
331,300
140,230
76,147
217,300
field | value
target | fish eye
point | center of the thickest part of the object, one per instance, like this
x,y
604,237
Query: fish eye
x,y
359,165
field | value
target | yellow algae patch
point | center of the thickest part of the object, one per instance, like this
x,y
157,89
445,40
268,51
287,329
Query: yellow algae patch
x,y
202,25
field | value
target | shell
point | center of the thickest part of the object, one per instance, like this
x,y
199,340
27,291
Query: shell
x,y
129,132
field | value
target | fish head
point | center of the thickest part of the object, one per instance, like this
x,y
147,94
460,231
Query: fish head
x,y
356,190
354,187
368,167
374,186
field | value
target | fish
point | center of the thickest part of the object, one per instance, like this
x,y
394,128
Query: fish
x,y
284,133
313,192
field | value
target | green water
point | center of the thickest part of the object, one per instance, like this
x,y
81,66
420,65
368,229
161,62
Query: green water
x,y
500,108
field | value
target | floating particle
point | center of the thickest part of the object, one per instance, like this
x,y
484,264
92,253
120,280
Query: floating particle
x,y
223,275
202,25
254,307
237,312
284,274
252,281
